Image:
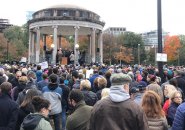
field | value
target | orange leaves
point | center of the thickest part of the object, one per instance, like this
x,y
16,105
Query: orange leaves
x,y
125,55
171,47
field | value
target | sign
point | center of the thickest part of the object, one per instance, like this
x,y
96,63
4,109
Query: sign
x,y
23,59
44,65
161,57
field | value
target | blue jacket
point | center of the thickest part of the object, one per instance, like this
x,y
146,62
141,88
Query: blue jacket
x,y
171,113
179,121
53,93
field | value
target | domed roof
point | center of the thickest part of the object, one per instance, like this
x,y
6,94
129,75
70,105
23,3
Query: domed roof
x,y
66,6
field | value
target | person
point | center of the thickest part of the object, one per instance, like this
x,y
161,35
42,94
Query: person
x,y
137,92
53,93
39,73
38,120
105,93
9,109
118,111
65,93
176,100
43,82
15,80
89,96
179,120
151,104
72,58
26,107
168,91
79,119
60,54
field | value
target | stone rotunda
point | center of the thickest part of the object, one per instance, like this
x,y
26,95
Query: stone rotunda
x,y
65,20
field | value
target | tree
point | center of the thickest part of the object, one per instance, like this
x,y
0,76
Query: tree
x,y
182,50
12,52
125,55
16,37
132,40
171,47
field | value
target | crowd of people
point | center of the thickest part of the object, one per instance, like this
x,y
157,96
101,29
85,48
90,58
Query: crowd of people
x,y
91,97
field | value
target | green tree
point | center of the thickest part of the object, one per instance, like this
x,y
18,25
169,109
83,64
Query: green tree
x,y
181,59
18,37
132,41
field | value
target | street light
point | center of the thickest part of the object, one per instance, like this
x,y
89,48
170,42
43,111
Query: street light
x,y
120,53
138,54
7,51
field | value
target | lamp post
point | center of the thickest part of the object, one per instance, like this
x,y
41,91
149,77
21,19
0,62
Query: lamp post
x,y
120,53
138,54
7,51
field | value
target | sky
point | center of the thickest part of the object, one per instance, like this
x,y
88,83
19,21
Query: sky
x,y
136,15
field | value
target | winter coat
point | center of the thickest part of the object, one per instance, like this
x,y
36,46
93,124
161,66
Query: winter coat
x,y
179,120
171,112
23,112
53,93
158,124
90,97
35,121
117,112
8,112
79,119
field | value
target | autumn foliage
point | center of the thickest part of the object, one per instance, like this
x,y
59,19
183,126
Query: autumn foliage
x,y
171,47
125,55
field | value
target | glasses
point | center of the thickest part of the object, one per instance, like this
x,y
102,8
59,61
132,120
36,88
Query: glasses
x,y
177,97
18,76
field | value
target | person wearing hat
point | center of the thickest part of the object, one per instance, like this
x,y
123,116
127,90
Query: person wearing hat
x,y
118,111
138,91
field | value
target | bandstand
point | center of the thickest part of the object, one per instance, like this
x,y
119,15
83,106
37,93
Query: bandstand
x,y
65,20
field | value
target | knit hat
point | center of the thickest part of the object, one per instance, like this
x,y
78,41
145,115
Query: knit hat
x,y
120,79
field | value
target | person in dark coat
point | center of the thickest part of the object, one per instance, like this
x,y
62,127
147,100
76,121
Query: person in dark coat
x,y
90,97
9,109
176,100
26,107
65,93
118,111
15,80
179,120
79,119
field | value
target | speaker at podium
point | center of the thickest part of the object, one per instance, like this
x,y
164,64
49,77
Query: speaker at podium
x,y
64,61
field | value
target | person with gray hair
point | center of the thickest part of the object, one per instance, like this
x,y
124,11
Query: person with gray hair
x,y
118,111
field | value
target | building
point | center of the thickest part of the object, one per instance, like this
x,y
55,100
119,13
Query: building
x,y
115,30
151,39
4,23
65,20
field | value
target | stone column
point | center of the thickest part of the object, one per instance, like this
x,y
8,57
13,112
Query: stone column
x,y
93,45
44,47
76,42
60,41
100,45
38,46
55,44
33,48
30,49
89,49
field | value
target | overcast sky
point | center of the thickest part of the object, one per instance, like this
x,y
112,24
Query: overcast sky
x,y
136,15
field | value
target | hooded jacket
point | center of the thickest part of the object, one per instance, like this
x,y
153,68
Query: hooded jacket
x,y
117,112
35,121
53,93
